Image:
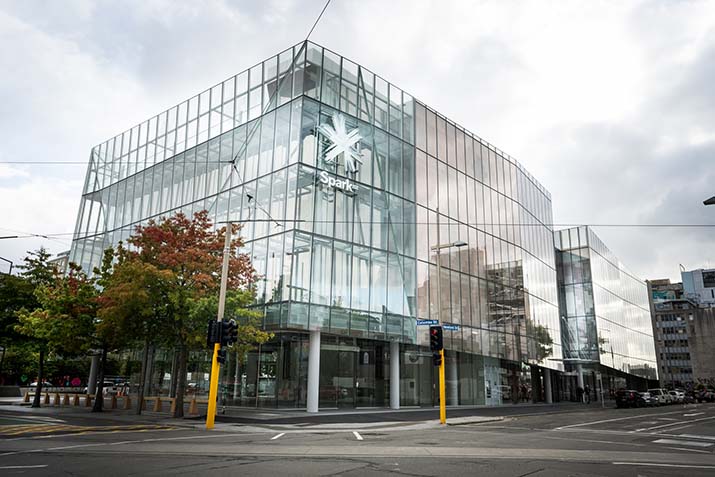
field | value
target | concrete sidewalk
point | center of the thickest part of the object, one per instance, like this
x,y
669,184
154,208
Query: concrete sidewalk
x,y
268,416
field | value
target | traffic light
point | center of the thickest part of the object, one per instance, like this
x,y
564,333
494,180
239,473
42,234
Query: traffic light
x,y
221,356
214,333
230,333
437,358
435,338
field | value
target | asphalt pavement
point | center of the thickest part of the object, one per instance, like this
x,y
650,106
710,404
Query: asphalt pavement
x,y
535,441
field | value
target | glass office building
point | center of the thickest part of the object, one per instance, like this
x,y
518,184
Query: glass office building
x,y
345,184
605,313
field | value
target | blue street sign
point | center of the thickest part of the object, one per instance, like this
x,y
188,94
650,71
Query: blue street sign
x,y
427,322
450,327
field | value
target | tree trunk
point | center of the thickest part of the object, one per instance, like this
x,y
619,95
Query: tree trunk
x,y
40,378
142,376
181,382
174,373
99,398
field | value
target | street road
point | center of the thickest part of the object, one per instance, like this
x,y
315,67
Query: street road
x,y
588,441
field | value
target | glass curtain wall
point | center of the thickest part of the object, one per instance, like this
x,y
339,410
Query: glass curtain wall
x,y
606,315
358,266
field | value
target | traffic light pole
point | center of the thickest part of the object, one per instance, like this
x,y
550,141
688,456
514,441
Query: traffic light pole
x,y
442,404
442,393
215,366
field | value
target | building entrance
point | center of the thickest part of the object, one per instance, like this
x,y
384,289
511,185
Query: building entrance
x,y
353,373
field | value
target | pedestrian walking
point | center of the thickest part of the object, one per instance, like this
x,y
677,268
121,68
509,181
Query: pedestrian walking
x,y
587,394
579,394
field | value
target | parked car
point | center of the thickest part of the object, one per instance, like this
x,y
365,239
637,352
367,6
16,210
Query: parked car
x,y
629,398
109,388
45,384
647,399
678,396
662,396
704,395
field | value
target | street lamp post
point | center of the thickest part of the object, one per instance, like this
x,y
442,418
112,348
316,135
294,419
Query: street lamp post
x,y
437,248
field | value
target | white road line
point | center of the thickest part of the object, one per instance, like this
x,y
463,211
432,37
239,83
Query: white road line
x,y
357,435
694,414
684,443
696,436
613,420
653,464
277,436
23,466
675,424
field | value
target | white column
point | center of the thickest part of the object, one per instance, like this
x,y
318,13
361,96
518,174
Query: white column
x,y
313,372
93,370
547,386
394,375
452,380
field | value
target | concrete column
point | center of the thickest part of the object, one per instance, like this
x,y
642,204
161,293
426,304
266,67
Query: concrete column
x,y
452,380
394,375
93,370
547,386
313,397
579,376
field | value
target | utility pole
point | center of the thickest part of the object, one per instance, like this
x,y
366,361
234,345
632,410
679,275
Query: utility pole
x,y
442,393
215,366
437,248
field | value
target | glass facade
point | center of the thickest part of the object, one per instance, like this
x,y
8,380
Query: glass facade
x,y
347,248
605,308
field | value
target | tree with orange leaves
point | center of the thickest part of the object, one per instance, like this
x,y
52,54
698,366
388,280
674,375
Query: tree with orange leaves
x,y
156,281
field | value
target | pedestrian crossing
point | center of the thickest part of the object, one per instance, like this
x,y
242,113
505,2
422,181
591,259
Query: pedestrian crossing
x,y
44,429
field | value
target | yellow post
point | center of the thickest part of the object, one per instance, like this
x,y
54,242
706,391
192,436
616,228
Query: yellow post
x,y
213,388
442,398
215,366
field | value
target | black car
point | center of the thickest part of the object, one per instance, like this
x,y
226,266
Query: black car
x,y
629,398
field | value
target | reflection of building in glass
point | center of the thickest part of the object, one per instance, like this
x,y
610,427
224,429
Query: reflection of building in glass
x,y
605,320
345,257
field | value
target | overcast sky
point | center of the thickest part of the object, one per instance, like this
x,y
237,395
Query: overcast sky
x,y
611,105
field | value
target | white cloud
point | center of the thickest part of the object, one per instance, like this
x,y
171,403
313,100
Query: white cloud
x,y
609,104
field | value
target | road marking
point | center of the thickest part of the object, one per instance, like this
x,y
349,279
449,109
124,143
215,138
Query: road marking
x,y
683,443
675,424
277,436
23,466
696,436
357,435
613,420
652,464
694,414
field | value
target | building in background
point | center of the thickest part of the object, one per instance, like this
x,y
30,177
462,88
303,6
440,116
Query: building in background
x,y
345,185
61,261
684,333
699,285
670,313
605,318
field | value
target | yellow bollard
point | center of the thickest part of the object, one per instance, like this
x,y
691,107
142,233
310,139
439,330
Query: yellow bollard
x,y
75,401
87,400
173,406
47,398
66,400
27,396
127,402
193,407
57,399
157,404
114,402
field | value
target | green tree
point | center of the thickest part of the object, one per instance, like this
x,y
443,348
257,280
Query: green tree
x,y
63,323
170,266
